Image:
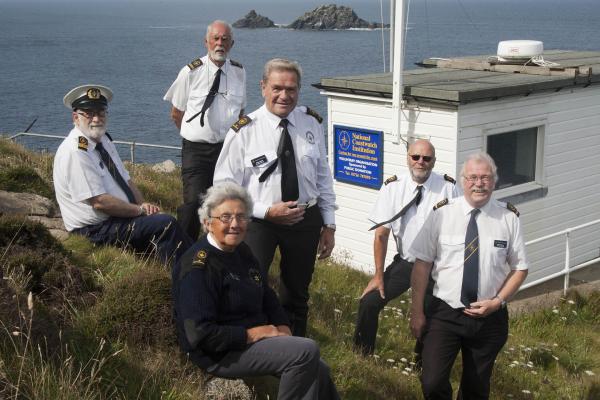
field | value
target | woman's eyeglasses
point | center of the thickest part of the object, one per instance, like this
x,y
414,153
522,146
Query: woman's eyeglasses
x,y
228,218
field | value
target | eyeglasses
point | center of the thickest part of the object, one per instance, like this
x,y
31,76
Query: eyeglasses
x,y
228,218
475,178
415,157
92,114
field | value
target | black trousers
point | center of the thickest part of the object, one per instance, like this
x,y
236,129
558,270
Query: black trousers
x,y
396,280
449,331
298,248
158,233
198,162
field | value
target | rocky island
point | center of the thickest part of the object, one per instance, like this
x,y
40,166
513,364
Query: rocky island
x,y
328,17
325,17
253,20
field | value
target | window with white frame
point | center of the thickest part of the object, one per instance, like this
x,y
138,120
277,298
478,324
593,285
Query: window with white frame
x,y
516,155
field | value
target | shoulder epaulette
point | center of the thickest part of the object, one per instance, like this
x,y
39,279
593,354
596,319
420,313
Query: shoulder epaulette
x,y
440,204
391,179
236,64
512,208
313,113
450,179
108,136
200,259
195,64
245,120
82,143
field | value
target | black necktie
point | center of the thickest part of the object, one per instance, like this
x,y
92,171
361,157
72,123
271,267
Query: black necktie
x,y
416,200
114,172
289,175
214,89
470,281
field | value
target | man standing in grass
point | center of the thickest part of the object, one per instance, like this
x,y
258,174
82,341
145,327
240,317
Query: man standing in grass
x,y
403,205
96,195
278,153
473,247
208,96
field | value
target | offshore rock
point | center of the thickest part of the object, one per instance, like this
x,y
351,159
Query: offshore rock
x,y
253,20
327,17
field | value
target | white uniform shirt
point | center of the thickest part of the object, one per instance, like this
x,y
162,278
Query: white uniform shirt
x,y
189,91
80,174
396,194
247,153
442,241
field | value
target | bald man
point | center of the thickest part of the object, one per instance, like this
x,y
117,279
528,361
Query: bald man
x,y
403,205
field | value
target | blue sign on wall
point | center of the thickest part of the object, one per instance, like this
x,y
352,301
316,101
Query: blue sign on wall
x,y
358,156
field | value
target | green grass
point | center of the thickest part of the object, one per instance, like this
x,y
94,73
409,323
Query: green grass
x,y
100,324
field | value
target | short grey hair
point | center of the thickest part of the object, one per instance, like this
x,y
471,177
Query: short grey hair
x,y
216,195
219,22
483,157
282,64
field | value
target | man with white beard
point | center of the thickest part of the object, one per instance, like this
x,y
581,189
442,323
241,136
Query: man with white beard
x,y
96,195
207,97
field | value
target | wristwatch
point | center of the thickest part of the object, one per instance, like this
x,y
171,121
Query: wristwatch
x,y
330,226
502,301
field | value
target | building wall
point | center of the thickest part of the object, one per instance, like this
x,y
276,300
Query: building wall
x,y
570,168
354,242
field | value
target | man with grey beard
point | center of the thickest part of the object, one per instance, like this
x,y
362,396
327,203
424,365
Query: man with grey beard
x,y
207,97
96,195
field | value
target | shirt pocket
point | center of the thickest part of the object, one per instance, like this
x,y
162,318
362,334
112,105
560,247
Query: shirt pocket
x,y
310,161
499,251
258,162
452,250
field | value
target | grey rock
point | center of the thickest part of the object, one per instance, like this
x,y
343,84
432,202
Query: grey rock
x,y
227,389
253,20
327,17
165,166
26,204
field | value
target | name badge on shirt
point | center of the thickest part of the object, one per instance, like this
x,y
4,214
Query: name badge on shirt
x,y
500,243
258,161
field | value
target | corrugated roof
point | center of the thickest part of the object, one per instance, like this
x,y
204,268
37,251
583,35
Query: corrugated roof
x,y
460,85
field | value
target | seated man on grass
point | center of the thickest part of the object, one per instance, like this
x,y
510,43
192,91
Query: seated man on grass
x,y
95,193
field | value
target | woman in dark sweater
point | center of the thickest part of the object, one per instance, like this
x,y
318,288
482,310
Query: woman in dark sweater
x,y
229,321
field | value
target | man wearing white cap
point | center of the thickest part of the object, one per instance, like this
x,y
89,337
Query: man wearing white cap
x,y
96,195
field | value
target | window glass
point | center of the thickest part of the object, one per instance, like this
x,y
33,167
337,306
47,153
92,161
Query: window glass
x,y
515,155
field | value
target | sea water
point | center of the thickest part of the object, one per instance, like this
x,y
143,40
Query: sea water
x,y
138,47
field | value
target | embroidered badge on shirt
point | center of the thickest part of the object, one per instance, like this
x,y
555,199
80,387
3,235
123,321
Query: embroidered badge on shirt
x,y
258,161
255,276
310,137
500,244
82,143
200,258
245,120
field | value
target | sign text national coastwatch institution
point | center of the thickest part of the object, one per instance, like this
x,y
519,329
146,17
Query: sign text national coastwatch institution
x,y
358,156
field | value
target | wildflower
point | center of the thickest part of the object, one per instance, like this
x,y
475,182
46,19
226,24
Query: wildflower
x,y
528,349
403,360
534,372
574,312
563,318
555,344
525,391
337,311
375,356
391,360
408,369
405,373
394,367
16,333
571,302
590,373
556,358
555,311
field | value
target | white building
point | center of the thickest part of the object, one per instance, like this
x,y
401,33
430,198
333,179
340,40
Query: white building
x,y
541,125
